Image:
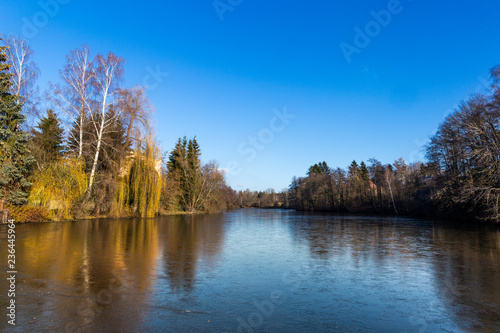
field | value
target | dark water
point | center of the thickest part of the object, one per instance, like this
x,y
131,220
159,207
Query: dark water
x,y
255,271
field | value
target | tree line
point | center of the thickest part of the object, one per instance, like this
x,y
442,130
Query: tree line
x,y
92,151
459,180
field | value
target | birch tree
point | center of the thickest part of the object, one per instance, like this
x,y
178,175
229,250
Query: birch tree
x,y
24,72
107,78
74,97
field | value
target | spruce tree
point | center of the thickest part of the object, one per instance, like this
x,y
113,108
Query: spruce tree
x,y
177,169
194,180
177,158
365,174
353,169
321,168
15,159
47,140
184,170
193,155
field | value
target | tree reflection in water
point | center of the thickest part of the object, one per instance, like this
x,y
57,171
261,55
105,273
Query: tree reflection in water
x,y
204,273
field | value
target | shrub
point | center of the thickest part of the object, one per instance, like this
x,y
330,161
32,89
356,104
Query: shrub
x,y
28,213
58,187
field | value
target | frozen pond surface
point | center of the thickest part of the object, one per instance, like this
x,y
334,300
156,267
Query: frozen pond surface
x,y
255,271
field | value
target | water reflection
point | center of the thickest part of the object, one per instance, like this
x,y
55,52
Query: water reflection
x,y
187,239
206,273
467,275
98,273
464,260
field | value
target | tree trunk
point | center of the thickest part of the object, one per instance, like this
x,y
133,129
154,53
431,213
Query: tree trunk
x,y
99,140
80,144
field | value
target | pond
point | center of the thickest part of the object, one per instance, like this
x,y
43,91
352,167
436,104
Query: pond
x,y
254,270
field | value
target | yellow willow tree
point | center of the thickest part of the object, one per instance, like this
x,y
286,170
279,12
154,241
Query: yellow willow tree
x,y
140,185
58,187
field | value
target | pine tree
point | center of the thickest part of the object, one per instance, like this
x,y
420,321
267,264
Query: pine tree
x,y
15,158
47,140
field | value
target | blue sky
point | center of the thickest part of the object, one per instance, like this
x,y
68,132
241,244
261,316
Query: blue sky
x,y
228,78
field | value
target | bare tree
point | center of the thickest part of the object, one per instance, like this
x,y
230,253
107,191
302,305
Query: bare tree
x,y
466,149
136,110
212,183
108,75
389,177
74,97
25,73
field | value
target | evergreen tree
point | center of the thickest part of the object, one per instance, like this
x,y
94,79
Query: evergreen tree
x,y
177,170
15,158
364,173
47,140
193,183
177,160
177,163
321,168
184,170
353,170
193,155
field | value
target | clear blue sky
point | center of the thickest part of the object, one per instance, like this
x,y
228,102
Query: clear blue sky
x,y
225,77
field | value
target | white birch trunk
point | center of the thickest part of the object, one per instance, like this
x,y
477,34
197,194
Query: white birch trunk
x,y
108,73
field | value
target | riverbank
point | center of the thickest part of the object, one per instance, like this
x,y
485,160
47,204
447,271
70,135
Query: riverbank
x,y
32,214
436,216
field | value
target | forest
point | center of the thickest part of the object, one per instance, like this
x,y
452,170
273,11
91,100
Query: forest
x,y
91,151
460,179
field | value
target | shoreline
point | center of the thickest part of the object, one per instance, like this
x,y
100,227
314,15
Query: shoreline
x,y
87,218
